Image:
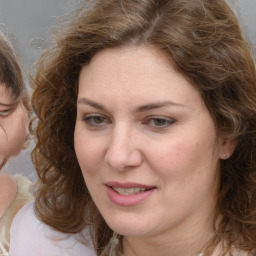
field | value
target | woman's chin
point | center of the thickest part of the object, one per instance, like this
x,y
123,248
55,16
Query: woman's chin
x,y
130,229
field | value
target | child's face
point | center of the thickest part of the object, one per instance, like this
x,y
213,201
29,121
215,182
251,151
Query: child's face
x,y
13,124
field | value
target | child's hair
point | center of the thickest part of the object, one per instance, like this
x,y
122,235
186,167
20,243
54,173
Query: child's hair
x,y
11,72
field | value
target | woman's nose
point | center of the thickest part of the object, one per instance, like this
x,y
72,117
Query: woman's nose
x,y
123,151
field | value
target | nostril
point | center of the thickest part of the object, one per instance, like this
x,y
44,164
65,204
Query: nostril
x,y
123,160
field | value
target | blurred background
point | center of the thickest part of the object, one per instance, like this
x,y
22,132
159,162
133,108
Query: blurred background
x,y
27,23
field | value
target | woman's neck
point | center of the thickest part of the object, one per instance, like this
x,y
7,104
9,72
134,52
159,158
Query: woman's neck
x,y
139,248
8,191
176,242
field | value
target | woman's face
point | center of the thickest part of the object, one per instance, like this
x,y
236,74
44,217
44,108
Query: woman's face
x,y
13,123
146,143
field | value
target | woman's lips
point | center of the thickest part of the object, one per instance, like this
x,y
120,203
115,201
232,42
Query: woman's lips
x,y
128,194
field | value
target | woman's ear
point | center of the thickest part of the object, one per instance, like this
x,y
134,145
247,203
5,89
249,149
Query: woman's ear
x,y
227,147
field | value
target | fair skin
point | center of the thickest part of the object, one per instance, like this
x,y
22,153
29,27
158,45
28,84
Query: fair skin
x,y
148,150
8,191
13,123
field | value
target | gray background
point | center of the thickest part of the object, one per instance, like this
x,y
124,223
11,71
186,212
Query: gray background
x,y
28,23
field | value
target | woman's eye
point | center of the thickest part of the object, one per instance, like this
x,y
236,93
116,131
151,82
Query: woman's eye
x,y
160,122
95,120
6,112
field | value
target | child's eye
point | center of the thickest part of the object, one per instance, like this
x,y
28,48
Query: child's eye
x,y
5,112
95,120
159,121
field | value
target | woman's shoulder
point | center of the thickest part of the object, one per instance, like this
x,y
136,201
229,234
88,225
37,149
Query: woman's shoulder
x,y
30,236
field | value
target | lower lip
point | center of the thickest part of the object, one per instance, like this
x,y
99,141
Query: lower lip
x,y
128,200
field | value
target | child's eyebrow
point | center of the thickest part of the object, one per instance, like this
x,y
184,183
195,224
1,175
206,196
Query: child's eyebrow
x,y
8,105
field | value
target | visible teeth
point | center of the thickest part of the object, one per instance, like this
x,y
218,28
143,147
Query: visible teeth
x,y
129,191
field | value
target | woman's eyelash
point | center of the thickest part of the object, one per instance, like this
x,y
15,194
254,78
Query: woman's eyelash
x,y
159,121
95,120
156,122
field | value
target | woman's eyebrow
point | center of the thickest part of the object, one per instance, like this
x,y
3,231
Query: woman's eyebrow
x,y
155,105
91,103
142,108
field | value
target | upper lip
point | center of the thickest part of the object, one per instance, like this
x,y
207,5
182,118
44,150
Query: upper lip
x,y
127,185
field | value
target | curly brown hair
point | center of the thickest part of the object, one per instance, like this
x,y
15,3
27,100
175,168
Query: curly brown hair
x,y
205,42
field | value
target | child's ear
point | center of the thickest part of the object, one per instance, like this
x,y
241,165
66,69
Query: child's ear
x,y
227,147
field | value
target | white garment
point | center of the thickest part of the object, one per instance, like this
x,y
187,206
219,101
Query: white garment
x,y
31,237
22,197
